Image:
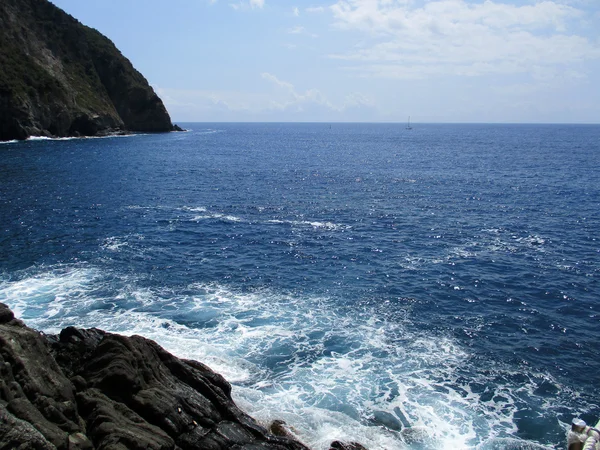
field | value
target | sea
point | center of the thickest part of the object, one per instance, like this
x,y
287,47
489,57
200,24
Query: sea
x,y
433,288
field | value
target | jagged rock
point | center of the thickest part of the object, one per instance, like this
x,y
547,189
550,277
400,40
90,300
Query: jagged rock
x,y
32,386
88,389
18,434
6,315
79,441
61,78
112,424
280,428
338,445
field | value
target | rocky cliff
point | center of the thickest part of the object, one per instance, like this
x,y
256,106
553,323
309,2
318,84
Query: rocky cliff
x,y
88,389
61,78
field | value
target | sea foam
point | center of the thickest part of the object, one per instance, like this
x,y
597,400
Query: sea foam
x,y
331,372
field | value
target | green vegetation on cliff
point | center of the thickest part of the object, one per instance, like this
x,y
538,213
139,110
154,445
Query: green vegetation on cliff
x,y
61,78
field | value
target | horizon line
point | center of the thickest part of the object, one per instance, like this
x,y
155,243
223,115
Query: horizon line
x,y
383,123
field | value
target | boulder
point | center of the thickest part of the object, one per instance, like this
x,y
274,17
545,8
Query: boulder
x,y
89,389
339,445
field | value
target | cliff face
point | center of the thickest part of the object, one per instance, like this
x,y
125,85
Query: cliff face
x,y
61,78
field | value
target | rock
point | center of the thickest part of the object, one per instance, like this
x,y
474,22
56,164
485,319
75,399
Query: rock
x,y
6,315
177,128
280,428
16,434
111,424
79,441
61,78
88,389
338,445
33,386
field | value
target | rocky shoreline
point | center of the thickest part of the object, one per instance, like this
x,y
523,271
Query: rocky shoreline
x,y
88,389
60,78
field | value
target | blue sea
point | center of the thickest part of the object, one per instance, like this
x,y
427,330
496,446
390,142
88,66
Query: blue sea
x,y
359,281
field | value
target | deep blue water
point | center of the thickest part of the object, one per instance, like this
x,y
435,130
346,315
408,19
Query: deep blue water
x,y
353,279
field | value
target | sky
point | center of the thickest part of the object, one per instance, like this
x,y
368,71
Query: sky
x,y
474,61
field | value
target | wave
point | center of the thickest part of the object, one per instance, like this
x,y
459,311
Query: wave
x,y
311,224
329,369
71,138
202,213
219,216
208,131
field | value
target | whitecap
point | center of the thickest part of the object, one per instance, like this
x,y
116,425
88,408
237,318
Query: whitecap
x,y
329,370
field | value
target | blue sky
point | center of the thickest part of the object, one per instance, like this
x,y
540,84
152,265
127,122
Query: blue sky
x,y
361,60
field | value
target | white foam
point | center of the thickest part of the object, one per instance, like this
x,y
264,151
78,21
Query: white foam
x,y
46,138
219,216
311,224
202,213
48,294
330,371
208,131
114,243
71,138
194,208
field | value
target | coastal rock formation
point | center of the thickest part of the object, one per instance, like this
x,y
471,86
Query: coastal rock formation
x,y
61,78
88,389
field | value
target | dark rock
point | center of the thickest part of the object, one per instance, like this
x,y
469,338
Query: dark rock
x,y
61,78
177,128
338,445
17,434
79,441
110,424
122,393
33,386
6,315
280,428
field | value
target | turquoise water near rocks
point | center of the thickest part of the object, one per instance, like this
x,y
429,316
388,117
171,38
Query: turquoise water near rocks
x,y
354,280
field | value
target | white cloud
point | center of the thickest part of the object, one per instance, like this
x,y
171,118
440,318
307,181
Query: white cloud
x,y
445,16
295,100
296,11
301,30
252,4
275,80
283,97
456,37
315,9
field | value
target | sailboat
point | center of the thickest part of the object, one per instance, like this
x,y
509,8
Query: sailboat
x,y
408,127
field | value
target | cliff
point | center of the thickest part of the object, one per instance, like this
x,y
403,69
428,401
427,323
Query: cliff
x,y
89,389
61,78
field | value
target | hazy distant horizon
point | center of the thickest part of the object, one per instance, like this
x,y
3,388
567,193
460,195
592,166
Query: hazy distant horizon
x,y
412,123
439,61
